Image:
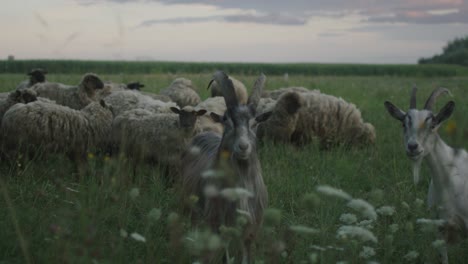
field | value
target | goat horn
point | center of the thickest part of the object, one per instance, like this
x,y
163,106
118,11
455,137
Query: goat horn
x,y
434,95
413,98
227,89
257,90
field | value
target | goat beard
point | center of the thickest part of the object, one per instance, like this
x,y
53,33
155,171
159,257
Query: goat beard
x,y
416,170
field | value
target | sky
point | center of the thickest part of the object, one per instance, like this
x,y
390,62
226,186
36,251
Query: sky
x,y
271,31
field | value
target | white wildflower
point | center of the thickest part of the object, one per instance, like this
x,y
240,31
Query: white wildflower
x,y
138,237
393,228
418,202
368,224
386,210
234,194
433,222
405,205
212,174
123,233
330,191
318,248
134,193
303,229
357,232
210,191
365,208
367,252
439,243
154,214
411,255
348,219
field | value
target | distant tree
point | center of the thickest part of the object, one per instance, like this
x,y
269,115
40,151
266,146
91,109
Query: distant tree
x,y
455,52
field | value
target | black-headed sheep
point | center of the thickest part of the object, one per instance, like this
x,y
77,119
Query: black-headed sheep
x,y
75,97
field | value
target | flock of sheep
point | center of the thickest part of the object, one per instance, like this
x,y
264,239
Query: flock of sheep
x,y
197,141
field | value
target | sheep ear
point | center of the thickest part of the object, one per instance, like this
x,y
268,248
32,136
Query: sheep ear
x,y
217,118
175,110
394,111
200,112
263,117
444,113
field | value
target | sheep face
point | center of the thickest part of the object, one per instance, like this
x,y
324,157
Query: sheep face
x,y
37,75
135,86
420,126
92,82
187,116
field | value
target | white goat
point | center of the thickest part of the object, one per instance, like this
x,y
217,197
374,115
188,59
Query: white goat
x,y
448,190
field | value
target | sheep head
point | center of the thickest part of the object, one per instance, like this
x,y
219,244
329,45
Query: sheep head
x,y
420,126
135,86
187,116
37,76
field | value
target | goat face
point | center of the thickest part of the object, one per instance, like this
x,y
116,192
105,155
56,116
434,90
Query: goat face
x,y
239,137
420,126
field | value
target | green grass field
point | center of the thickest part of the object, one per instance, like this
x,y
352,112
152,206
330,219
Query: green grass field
x,y
47,216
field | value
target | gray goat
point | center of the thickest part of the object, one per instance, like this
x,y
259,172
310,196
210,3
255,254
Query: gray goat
x,y
214,167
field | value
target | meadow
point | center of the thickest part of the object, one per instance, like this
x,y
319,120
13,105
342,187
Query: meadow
x,y
116,215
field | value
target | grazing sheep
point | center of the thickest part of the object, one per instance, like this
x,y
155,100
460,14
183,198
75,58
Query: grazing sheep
x,y
75,97
181,93
215,105
239,87
161,138
123,101
35,76
448,190
55,128
110,87
275,94
19,96
281,125
218,168
332,121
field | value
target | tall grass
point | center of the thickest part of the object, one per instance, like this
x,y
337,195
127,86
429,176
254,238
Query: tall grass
x,y
104,216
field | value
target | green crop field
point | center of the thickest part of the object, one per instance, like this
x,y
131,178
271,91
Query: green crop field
x,y
117,215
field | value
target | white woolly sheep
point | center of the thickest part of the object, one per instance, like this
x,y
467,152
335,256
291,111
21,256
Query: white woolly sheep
x,y
215,105
332,121
75,97
181,93
110,87
143,135
239,88
123,101
35,76
280,126
55,128
448,190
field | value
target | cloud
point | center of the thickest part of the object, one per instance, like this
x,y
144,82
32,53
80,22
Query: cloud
x,y
295,12
270,19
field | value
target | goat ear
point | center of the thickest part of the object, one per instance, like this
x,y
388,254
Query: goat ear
x,y
175,110
200,112
217,118
394,111
444,113
263,117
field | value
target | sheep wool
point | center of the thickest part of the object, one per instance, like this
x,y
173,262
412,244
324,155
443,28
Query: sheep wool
x,y
56,128
239,88
332,121
123,101
181,92
75,97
